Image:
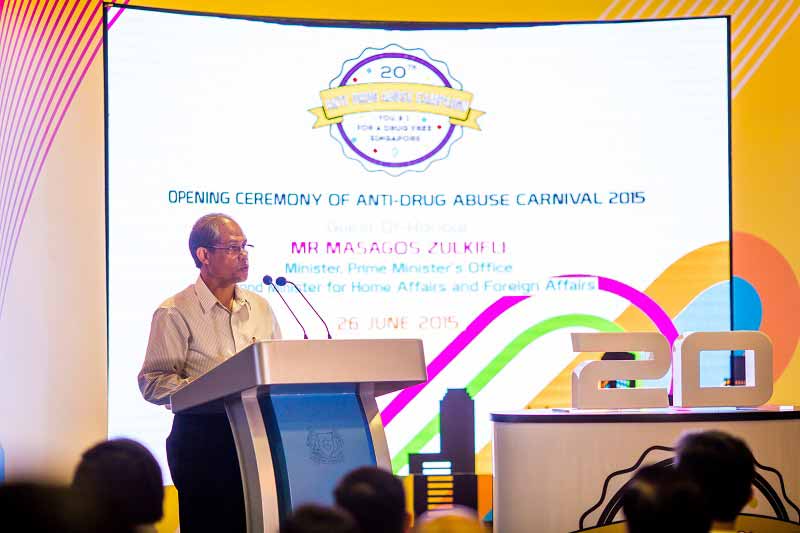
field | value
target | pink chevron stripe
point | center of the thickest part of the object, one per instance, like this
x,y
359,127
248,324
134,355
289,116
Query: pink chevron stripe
x,y
60,50
27,147
7,31
52,135
5,105
24,60
37,173
450,352
7,28
16,114
14,60
28,172
5,197
15,47
121,10
9,140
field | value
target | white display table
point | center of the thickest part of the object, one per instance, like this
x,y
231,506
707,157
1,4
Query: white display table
x,y
561,470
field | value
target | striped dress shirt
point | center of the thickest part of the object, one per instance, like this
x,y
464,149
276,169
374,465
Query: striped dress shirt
x,y
192,332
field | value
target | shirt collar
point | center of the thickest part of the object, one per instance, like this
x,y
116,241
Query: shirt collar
x,y
208,300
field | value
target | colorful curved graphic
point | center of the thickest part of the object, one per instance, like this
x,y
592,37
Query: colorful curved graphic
x,y
638,299
491,370
450,353
773,279
673,303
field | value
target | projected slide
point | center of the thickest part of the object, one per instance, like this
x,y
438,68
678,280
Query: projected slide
x,y
488,189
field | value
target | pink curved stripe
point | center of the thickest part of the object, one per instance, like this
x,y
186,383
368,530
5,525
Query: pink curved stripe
x,y
647,305
452,350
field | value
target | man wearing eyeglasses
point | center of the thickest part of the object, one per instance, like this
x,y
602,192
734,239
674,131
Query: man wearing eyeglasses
x,y
191,333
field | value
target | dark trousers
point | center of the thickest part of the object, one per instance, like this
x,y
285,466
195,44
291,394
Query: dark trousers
x,y
205,470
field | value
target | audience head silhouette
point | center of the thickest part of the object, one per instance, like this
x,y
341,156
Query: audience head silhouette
x,y
722,466
124,480
319,519
456,520
659,499
40,508
375,498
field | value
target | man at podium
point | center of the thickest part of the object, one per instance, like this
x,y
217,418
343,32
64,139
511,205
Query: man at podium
x,y
191,333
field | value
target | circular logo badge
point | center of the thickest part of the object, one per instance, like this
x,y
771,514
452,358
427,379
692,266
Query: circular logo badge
x,y
395,110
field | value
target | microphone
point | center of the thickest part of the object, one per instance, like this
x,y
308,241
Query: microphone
x,y
281,281
268,281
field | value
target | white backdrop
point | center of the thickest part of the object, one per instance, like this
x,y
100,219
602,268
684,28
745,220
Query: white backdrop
x,y
205,104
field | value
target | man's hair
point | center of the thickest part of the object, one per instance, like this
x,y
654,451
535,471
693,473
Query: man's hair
x,y
660,499
124,479
318,519
722,466
205,232
375,498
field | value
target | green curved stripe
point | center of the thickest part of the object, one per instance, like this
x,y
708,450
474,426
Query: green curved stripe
x,y
506,355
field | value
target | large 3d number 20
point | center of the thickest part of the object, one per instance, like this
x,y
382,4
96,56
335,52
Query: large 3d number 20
x,y
757,389
586,393
687,391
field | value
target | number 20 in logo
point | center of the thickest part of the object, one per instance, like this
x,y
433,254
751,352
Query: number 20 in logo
x,y
685,358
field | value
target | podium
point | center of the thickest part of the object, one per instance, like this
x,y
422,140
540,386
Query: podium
x,y
303,414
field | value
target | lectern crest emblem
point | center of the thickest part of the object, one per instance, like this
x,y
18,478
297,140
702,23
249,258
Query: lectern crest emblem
x,y
327,447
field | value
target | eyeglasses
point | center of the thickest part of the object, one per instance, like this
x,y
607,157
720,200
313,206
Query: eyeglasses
x,y
234,249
